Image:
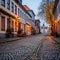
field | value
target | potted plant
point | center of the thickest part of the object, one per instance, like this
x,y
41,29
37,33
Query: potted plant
x,y
9,32
19,32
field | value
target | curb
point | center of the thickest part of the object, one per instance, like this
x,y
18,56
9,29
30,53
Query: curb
x,y
9,40
12,39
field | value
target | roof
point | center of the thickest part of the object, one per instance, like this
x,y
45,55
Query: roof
x,y
26,7
22,7
32,12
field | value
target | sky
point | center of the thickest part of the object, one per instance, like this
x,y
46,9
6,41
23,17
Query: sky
x,y
34,4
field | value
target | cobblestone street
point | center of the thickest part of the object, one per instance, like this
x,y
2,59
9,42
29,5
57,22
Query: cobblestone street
x,y
20,50
38,47
49,50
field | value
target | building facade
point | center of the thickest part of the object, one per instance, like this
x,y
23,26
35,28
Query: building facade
x,y
37,24
56,12
30,12
32,16
14,15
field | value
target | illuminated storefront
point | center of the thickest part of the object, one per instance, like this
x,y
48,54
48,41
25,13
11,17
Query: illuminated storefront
x,y
28,29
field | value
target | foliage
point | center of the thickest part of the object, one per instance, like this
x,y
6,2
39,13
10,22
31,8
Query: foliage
x,y
9,32
41,9
45,11
49,14
19,32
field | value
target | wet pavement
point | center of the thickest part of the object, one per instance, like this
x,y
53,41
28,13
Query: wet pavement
x,y
38,47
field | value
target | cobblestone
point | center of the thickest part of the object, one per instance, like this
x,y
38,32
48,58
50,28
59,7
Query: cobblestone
x,y
38,47
20,50
49,50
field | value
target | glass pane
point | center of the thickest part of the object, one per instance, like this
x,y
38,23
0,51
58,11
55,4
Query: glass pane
x,y
3,23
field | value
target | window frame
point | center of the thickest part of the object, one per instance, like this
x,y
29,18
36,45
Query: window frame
x,y
3,3
8,4
12,6
2,20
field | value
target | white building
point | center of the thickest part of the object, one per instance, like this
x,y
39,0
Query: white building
x,y
13,14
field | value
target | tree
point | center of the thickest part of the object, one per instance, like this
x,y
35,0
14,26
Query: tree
x,y
48,11
41,9
45,10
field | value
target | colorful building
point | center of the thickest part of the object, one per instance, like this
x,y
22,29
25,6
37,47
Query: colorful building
x,y
14,15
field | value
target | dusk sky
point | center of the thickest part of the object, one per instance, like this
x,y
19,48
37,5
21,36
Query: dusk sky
x,y
32,4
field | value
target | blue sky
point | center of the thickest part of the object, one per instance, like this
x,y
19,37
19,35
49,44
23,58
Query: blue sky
x,y
32,4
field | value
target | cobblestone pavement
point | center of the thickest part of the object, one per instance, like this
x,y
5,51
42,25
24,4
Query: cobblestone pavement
x,y
49,50
36,47
23,49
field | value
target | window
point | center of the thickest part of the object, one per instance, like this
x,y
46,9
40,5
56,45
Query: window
x,y
8,4
15,9
18,11
20,1
12,6
2,23
3,3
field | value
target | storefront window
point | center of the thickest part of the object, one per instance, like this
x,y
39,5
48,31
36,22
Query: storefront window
x,y
2,23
